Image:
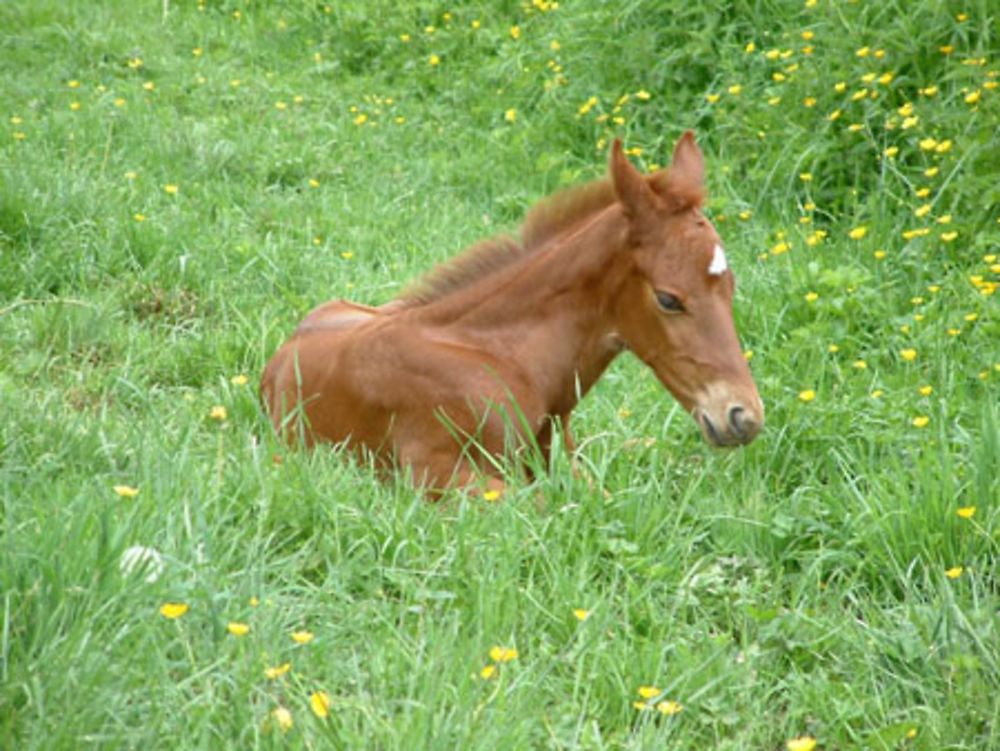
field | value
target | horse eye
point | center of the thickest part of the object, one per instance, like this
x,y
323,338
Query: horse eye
x,y
668,302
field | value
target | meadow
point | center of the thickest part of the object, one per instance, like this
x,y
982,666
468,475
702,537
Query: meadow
x,y
182,181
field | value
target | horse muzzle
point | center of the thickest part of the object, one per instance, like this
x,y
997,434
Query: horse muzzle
x,y
731,424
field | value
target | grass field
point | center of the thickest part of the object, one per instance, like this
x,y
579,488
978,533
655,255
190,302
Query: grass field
x,y
182,181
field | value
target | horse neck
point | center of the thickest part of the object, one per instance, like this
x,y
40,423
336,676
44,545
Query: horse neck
x,y
552,310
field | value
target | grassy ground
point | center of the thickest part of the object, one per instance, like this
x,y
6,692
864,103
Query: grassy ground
x,y
183,180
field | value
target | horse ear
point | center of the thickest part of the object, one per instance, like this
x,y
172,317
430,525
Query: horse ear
x,y
688,165
682,184
631,188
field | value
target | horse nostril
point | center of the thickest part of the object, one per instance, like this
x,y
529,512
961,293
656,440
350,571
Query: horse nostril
x,y
710,431
737,421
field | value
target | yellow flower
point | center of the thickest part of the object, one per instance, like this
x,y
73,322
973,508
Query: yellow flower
x,y
921,421
807,395
196,51
149,86
510,115
944,146
970,317
954,572
929,91
319,702
891,151
218,412
973,97
947,49
239,380
515,32
503,654
948,236
361,119
648,692
885,78
303,637
119,102
238,629
277,671
908,354
923,210
491,495
858,233
811,297
126,491
171,188
281,105
751,47
554,45
283,717
434,60
877,393
580,614
931,171
803,743
173,610
735,89
860,365
805,177
833,348
712,98
862,51
488,671
928,144
967,512
840,87
643,95
669,707
879,255
254,602
926,390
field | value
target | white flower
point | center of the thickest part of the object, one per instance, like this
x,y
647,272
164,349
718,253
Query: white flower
x,y
140,559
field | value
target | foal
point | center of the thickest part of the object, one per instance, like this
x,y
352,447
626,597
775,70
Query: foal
x,y
504,340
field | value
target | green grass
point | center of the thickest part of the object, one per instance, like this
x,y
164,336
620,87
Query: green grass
x,y
794,587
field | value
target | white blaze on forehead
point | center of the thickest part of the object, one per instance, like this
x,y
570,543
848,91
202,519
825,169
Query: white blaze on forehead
x,y
718,264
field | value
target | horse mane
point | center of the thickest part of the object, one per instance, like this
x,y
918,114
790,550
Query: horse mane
x,y
550,218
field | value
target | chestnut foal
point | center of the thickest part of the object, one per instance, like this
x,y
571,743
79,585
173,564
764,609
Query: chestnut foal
x,y
494,346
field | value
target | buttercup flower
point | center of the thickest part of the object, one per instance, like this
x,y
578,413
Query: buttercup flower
x,y
277,671
283,718
173,610
319,703
302,637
